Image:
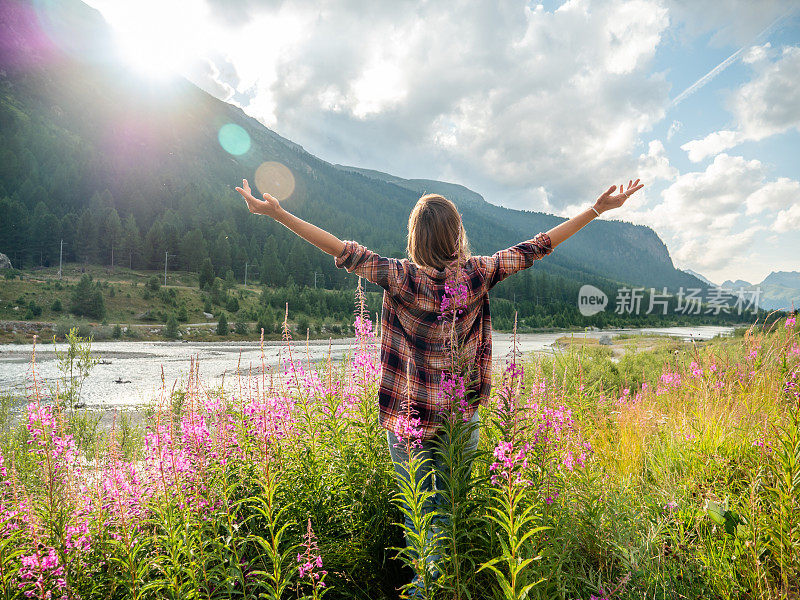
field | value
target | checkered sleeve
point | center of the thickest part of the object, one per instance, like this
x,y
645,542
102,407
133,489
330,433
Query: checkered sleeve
x,y
506,262
385,272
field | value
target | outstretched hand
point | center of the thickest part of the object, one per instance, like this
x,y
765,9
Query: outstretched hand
x,y
268,206
608,202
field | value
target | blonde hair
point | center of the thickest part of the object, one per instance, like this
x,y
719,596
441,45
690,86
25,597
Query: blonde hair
x,y
436,235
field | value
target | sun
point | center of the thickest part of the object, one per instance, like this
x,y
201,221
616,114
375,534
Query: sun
x,y
150,54
158,39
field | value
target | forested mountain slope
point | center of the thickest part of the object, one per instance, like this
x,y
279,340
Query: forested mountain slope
x,y
125,169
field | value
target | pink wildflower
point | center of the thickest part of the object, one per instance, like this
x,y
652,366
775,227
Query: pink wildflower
x,y
454,299
509,463
452,394
310,561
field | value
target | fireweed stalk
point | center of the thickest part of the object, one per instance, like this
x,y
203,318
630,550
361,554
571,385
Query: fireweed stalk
x,y
512,506
457,512
415,503
310,564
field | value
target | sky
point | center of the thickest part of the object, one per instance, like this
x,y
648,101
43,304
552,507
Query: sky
x,y
535,106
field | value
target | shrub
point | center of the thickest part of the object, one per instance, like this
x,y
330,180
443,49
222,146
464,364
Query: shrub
x,y
153,283
117,332
241,326
265,321
183,314
56,306
171,328
232,304
303,325
222,325
34,310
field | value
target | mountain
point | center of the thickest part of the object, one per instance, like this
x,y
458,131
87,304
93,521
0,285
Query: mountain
x,y
119,166
780,290
611,249
786,279
700,277
735,285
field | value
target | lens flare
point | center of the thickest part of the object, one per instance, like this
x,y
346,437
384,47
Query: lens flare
x,y
276,179
233,139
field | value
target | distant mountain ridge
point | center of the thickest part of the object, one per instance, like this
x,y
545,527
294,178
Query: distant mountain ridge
x,y
780,290
88,144
700,277
602,242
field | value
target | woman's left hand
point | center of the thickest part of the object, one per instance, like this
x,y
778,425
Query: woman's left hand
x,y
609,202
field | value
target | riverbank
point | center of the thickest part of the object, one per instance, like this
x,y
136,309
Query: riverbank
x,y
130,373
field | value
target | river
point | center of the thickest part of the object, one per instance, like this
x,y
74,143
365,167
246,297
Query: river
x,y
139,364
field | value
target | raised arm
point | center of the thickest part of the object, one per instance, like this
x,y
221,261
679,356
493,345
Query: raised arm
x,y
327,242
564,230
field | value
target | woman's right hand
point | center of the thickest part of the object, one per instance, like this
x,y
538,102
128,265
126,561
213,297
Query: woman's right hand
x,y
608,202
268,206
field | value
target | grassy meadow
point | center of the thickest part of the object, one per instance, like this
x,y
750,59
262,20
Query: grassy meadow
x,y
663,470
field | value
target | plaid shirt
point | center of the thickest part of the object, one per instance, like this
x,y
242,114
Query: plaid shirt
x,y
412,332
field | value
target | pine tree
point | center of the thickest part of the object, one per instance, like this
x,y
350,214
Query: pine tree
x,y
171,328
131,243
87,299
222,325
206,277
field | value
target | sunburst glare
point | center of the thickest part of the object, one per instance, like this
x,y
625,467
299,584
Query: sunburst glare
x,y
233,139
276,179
157,47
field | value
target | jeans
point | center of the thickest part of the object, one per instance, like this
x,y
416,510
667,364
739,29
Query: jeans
x,y
435,460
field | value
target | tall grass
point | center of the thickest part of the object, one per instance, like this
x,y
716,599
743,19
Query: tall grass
x,y
671,474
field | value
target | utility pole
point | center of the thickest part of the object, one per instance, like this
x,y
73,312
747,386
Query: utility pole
x,y
166,258
112,257
60,255
245,274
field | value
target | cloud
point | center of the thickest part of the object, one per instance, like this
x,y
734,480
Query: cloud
x,y
731,22
711,200
757,53
770,103
775,195
674,128
767,105
206,75
508,98
712,215
712,144
654,165
788,220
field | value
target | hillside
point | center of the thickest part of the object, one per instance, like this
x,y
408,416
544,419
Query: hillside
x,y
127,170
